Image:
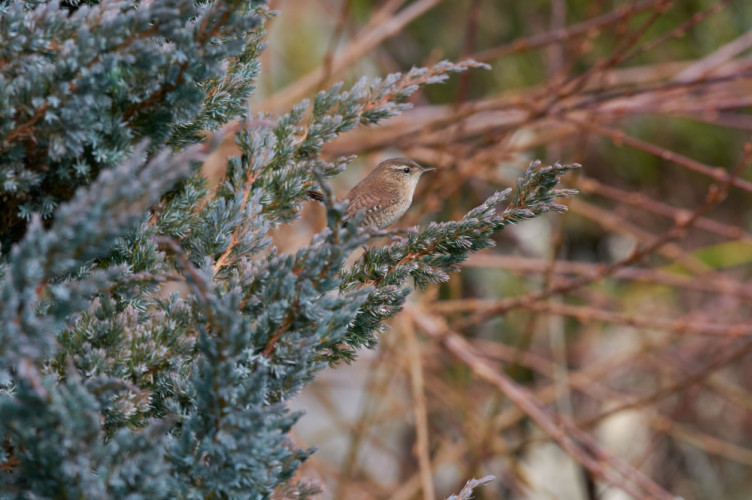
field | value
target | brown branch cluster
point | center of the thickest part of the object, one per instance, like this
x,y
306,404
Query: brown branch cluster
x,y
617,335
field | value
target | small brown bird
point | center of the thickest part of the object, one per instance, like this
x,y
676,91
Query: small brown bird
x,y
386,193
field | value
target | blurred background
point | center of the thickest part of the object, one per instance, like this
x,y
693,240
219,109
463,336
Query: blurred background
x,y
627,317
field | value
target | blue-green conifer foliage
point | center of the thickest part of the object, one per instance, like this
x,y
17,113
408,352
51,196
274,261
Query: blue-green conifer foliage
x,y
108,387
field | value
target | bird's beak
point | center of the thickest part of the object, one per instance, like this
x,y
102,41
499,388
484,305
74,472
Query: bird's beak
x,y
426,169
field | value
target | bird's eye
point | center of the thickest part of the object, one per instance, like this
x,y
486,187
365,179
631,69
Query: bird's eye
x,y
406,170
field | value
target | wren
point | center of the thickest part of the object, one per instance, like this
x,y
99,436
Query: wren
x,y
386,193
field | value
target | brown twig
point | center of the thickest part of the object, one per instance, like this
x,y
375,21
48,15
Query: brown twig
x,y
584,28
575,442
727,356
381,27
590,381
422,445
584,314
619,138
281,329
527,265
715,195
251,177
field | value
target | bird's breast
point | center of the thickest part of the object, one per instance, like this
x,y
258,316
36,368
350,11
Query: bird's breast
x,y
382,205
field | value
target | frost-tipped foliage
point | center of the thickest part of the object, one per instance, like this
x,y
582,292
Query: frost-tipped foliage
x,y
110,386
467,491
80,88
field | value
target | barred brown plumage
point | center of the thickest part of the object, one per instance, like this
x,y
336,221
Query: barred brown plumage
x,y
385,194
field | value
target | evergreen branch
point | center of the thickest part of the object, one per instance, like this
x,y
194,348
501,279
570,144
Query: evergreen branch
x,y
715,195
269,347
467,491
83,230
415,78
429,255
447,244
24,129
157,95
380,27
96,342
96,80
251,178
282,159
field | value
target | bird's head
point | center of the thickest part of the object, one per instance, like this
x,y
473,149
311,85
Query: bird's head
x,y
401,172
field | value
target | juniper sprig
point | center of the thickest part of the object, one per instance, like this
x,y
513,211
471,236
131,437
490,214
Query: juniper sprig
x,y
110,386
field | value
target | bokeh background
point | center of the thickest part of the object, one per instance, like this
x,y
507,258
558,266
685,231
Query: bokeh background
x,y
627,318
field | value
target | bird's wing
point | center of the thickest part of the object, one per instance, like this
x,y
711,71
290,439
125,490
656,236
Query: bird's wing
x,y
370,200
